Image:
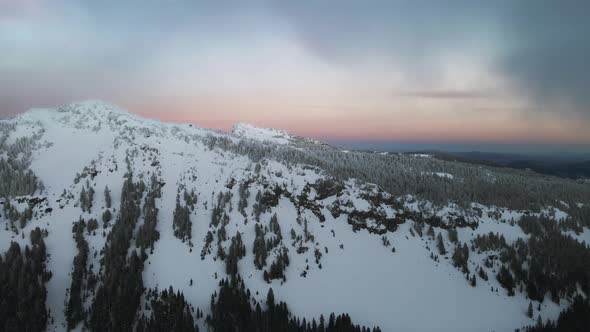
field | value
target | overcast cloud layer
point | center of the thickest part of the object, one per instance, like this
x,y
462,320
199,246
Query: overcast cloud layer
x,y
504,71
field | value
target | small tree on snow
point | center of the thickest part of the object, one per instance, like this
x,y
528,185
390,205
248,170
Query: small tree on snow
x,y
441,245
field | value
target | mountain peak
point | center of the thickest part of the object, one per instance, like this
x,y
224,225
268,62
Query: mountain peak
x,y
99,107
246,130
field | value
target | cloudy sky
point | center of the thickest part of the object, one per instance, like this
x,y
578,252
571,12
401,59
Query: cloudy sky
x,y
497,72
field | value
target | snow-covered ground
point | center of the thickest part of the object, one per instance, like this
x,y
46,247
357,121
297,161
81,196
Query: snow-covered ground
x,y
440,175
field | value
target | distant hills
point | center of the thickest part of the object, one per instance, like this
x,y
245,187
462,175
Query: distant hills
x,y
573,166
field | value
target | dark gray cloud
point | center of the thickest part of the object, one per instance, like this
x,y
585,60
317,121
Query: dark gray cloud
x,y
411,31
550,50
543,46
447,94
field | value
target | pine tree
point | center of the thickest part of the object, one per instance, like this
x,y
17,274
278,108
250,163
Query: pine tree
x,y
106,217
430,232
453,236
270,298
83,199
441,245
181,221
107,197
505,279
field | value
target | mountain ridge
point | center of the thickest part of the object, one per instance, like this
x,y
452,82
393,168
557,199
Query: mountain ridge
x,y
307,215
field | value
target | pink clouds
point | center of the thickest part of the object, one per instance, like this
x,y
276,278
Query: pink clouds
x,y
416,121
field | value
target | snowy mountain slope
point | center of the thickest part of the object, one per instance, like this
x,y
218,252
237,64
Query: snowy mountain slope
x,y
351,246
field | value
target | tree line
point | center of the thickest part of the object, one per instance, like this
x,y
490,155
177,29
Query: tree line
x,y
232,310
23,275
401,174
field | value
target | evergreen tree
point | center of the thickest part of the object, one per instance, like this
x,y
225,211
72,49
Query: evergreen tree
x,y
430,232
106,217
440,245
181,220
107,197
453,236
506,280
270,298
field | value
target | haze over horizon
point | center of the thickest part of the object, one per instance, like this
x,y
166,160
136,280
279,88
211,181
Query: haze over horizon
x,y
499,76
